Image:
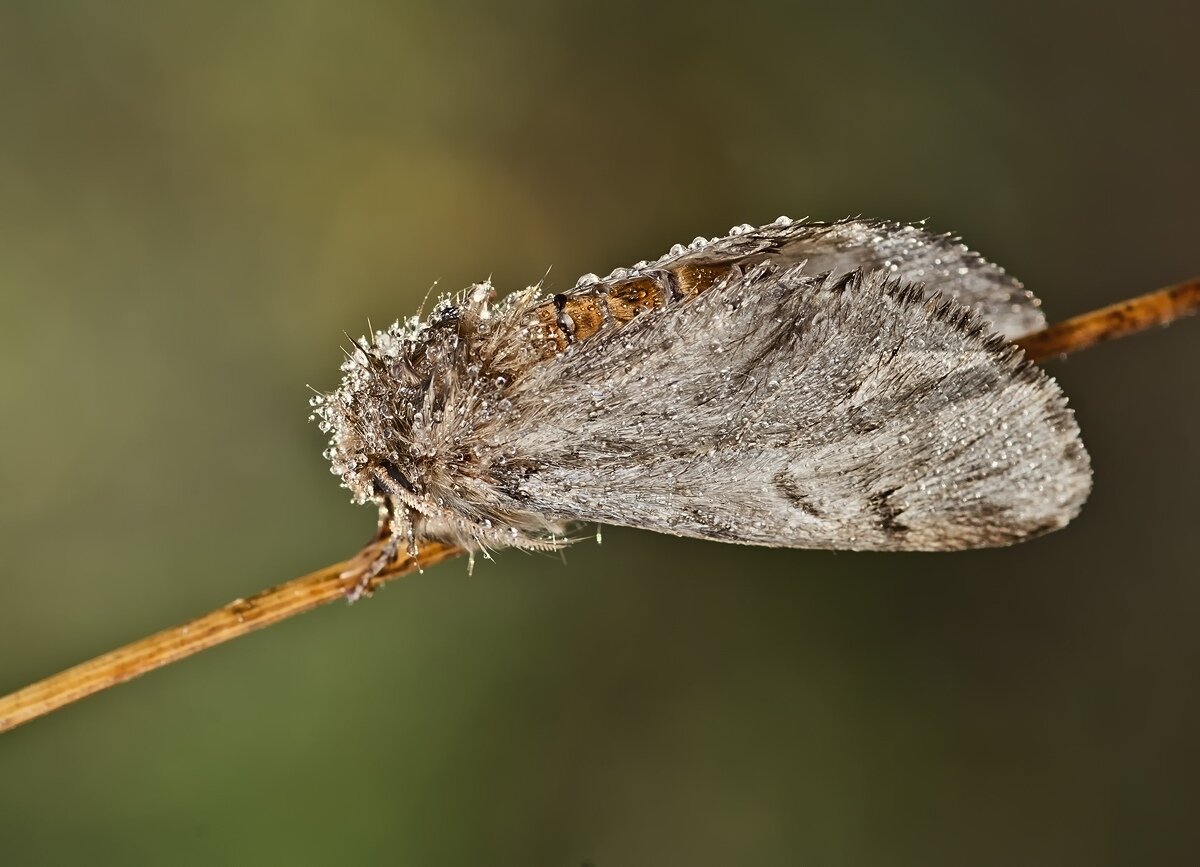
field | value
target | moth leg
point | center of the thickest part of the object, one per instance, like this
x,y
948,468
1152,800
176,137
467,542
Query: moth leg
x,y
376,556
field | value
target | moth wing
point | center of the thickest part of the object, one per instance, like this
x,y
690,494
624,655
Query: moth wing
x,y
941,263
783,409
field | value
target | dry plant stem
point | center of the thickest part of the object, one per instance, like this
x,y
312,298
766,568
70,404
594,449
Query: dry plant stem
x,y
237,618
326,585
1116,320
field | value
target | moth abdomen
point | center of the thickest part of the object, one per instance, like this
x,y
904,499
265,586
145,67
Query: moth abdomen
x,y
595,305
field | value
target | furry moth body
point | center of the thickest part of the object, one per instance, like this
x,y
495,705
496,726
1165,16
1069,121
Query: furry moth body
x,y
841,385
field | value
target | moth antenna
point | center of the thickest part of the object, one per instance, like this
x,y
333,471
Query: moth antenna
x,y
425,300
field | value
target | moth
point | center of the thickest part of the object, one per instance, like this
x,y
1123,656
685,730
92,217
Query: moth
x,y
848,385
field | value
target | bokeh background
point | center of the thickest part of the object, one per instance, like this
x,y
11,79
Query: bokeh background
x,y
197,199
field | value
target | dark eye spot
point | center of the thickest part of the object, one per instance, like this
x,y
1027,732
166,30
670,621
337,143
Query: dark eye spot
x,y
392,472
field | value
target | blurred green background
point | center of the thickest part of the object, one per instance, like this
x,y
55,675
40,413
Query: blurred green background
x,y
197,199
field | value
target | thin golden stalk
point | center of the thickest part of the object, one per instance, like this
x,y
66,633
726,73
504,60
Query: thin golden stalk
x,y
326,585
1116,320
226,623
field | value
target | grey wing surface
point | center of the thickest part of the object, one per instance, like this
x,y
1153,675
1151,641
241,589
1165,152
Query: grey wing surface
x,y
780,408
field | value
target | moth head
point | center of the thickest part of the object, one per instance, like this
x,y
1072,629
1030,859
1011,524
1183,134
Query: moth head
x,y
408,425
371,415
